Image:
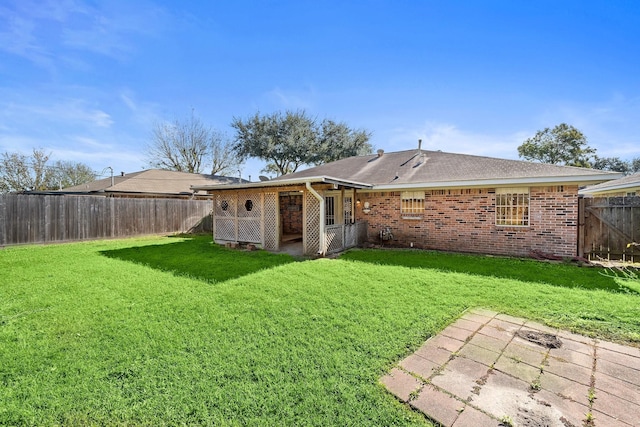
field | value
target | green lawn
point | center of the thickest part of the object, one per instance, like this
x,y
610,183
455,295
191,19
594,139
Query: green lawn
x,y
166,331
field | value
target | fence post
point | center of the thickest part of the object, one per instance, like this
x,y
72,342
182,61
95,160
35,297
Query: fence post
x,y
3,219
581,218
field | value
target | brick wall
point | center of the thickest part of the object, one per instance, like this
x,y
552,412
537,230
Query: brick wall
x,y
464,221
291,214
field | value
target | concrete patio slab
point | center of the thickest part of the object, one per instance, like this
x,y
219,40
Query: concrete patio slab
x,y
440,406
488,369
400,383
418,365
608,404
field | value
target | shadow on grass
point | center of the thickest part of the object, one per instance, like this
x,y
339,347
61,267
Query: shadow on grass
x,y
199,258
558,274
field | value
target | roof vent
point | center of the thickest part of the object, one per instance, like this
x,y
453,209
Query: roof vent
x,y
419,144
380,152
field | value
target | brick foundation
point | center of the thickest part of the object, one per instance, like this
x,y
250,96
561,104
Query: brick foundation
x,y
464,221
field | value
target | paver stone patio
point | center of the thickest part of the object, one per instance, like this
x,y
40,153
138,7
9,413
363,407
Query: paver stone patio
x,y
491,369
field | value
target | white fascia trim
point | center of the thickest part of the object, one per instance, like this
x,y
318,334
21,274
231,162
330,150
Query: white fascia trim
x,y
283,183
558,180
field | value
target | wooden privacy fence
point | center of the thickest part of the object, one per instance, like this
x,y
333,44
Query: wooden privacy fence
x,y
608,227
60,218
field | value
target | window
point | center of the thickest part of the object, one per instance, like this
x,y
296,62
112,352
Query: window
x,y
512,206
329,210
412,202
347,204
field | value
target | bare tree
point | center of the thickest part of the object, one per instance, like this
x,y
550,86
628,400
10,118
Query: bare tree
x,y
190,146
19,172
68,174
224,159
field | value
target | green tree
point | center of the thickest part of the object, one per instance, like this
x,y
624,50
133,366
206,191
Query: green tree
x,y
562,145
337,141
290,140
190,146
614,164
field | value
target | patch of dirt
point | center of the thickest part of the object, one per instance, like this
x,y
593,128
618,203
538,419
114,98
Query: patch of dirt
x,y
540,338
528,418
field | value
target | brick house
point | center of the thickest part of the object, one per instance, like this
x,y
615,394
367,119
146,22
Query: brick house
x,y
414,198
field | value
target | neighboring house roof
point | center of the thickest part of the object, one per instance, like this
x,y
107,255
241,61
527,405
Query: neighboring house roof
x,y
628,183
152,181
436,169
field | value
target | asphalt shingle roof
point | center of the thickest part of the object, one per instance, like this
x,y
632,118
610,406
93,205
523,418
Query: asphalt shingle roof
x,y
152,181
413,166
621,183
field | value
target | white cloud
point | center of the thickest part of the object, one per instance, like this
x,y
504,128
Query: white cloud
x,y
448,137
51,33
18,38
143,113
291,99
69,111
110,28
118,157
19,143
611,126
95,153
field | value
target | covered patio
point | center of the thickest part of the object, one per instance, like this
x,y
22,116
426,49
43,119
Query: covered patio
x,y
316,213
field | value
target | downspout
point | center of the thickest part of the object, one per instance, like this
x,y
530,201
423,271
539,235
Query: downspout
x,y
322,248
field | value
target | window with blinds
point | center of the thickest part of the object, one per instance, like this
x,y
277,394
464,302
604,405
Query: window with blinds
x,y
512,206
412,202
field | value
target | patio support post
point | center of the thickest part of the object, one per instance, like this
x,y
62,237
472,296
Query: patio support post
x,y
322,248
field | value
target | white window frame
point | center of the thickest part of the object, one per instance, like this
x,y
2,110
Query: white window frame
x,y
412,202
512,207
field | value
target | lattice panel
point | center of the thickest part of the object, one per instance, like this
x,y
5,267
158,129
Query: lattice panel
x,y
312,224
225,205
249,230
271,232
249,205
334,239
225,229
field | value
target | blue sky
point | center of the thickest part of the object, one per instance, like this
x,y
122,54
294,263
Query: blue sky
x,y
87,80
